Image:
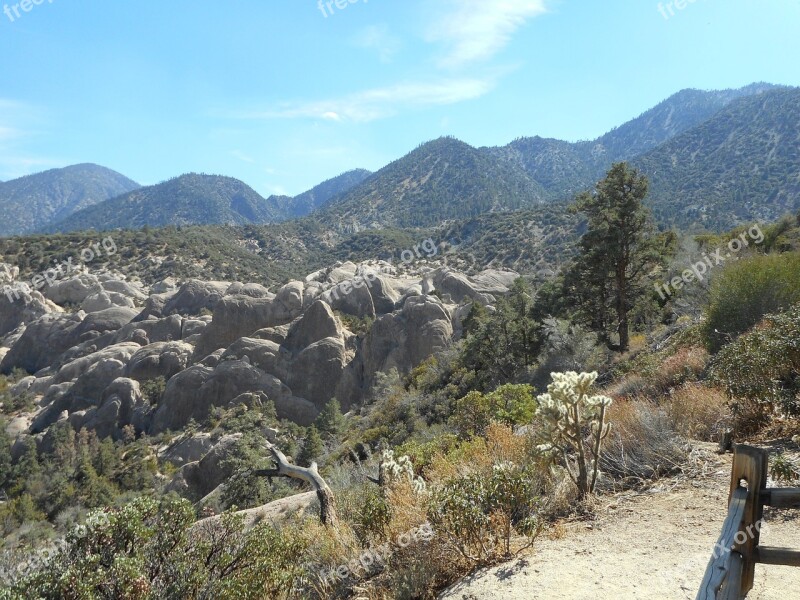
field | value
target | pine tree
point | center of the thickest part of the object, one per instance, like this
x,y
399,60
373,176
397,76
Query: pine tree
x,y
616,254
312,447
331,421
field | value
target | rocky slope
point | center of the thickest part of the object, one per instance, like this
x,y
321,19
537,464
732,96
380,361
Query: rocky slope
x,y
92,340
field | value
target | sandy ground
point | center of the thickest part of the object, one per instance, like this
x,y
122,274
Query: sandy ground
x,y
650,546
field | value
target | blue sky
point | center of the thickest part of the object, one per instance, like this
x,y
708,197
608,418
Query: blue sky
x,y
282,96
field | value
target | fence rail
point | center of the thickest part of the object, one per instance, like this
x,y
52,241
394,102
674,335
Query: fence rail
x,y
731,571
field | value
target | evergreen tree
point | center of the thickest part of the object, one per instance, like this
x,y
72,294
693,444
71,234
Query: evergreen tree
x,y
312,447
616,254
331,421
501,345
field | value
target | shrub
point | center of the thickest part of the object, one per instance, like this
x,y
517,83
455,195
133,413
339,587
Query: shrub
x,y
150,549
697,412
642,444
510,404
480,515
746,291
760,371
784,469
153,390
568,413
687,364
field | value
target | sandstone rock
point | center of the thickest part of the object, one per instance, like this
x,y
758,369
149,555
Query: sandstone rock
x,y
197,479
240,316
187,449
263,354
351,297
253,290
42,342
195,296
124,288
169,284
73,290
316,371
161,359
19,307
316,324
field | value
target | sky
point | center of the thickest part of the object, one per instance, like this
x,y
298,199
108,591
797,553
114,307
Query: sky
x,y
284,94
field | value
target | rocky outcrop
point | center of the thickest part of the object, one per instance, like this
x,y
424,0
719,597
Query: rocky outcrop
x,y
239,316
194,297
161,359
287,347
198,479
19,307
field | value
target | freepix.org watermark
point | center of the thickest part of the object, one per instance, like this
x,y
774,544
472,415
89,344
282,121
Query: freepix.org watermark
x,y
378,556
698,270
327,6
667,9
13,12
105,247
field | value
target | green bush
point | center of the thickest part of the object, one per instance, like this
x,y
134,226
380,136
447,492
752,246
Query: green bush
x,y
479,515
510,404
150,549
760,371
746,291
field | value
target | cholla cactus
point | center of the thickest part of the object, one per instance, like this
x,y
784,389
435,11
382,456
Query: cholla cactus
x,y
574,422
401,469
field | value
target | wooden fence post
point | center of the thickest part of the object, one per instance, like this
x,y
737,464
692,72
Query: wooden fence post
x,y
751,465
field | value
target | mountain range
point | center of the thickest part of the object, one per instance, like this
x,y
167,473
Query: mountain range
x,y
715,159
31,202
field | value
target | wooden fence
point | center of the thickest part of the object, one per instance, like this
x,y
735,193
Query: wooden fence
x,y
731,570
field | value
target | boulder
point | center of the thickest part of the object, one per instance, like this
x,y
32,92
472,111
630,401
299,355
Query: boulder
x,y
105,300
316,324
192,393
197,479
240,316
42,342
316,371
161,359
254,290
73,290
194,297
187,449
352,297
19,307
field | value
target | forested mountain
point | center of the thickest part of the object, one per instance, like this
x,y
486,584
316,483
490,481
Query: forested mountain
x,y
440,180
34,201
192,199
715,159
741,165
323,193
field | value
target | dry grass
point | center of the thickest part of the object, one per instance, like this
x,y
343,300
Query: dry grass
x,y
687,364
698,412
642,444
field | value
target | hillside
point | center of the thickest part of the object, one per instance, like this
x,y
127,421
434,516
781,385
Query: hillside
x,y
192,199
564,168
441,180
34,201
319,195
741,165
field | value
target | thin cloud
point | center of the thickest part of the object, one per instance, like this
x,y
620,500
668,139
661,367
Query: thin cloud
x,y
242,156
378,39
476,30
378,103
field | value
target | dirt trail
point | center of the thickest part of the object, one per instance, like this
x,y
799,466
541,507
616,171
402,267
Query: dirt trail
x,y
653,546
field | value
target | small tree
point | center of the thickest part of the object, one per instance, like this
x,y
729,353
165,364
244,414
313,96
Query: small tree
x,y
331,421
312,447
574,423
618,250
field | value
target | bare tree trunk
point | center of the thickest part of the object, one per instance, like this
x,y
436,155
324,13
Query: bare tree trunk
x,y
327,501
